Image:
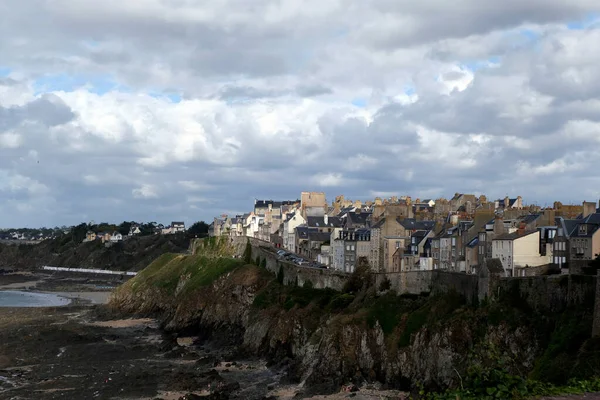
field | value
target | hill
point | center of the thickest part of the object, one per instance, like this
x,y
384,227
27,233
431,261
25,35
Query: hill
x,y
132,254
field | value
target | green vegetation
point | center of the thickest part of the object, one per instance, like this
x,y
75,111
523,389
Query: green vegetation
x,y
248,253
195,271
361,278
488,377
385,285
288,297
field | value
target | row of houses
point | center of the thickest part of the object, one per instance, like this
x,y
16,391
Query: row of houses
x,y
398,234
134,230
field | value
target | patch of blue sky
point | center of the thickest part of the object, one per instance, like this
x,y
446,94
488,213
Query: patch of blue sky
x,y
172,97
476,65
530,34
589,21
359,102
409,90
98,84
5,71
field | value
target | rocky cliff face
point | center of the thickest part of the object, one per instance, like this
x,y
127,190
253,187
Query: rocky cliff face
x,y
426,341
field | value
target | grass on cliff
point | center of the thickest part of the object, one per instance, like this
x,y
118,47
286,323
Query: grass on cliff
x,y
191,271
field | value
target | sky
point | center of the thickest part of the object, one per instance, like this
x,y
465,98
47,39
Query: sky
x,y
162,110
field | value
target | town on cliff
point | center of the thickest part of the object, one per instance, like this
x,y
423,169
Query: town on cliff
x,y
400,234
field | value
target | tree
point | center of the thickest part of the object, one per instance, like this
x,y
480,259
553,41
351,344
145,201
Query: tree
x,y
248,253
361,278
593,266
79,232
198,230
124,228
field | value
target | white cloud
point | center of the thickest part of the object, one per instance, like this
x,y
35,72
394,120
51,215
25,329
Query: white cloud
x,y
181,110
10,140
146,191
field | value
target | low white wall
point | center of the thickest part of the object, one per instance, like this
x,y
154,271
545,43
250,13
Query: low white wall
x,y
89,271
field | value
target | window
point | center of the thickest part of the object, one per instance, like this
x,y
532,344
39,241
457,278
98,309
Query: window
x,y
398,244
453,241
559,232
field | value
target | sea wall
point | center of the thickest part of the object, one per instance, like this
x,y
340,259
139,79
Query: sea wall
x,y
435,281
551,293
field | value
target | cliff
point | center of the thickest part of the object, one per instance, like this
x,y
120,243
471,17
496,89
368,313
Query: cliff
x,y
334,337
133,254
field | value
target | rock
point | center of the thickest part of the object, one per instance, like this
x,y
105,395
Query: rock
x,y
190,396
4,361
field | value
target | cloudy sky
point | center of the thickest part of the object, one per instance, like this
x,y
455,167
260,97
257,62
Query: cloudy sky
x,y
160,110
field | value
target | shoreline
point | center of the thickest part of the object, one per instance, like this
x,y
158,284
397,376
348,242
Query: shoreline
x,y
76,289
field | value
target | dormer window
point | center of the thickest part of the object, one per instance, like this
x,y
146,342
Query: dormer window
x,y
583,229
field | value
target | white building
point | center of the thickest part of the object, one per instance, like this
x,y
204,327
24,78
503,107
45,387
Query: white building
x,y
116,237
293,221
519,250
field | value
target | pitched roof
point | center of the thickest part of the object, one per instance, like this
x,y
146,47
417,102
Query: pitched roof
x,y
515,235
592,219
319,236
303,231
474,242
319,222
528,218
359,218
413,224
589,231
274,204
379,224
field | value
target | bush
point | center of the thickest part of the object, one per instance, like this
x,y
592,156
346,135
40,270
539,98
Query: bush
x,y
308,284
341,301
248,253
280,275
385,285
360,279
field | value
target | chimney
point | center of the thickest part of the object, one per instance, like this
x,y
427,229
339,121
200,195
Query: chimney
x,y
326,219
588,208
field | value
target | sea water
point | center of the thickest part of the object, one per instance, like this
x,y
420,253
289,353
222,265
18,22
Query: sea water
x,y
12,298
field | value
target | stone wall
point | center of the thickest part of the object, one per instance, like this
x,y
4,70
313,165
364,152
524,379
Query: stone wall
x,y
464,284
552,293
422,282
320,278
413,282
